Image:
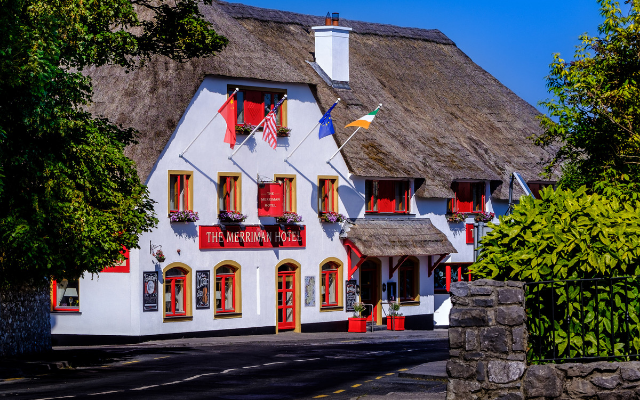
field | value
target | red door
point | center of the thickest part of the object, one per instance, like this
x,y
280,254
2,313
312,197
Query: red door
x,y
368,290
286,300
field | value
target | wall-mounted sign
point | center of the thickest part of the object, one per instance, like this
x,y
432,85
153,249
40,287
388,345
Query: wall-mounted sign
x,y
270,200
350,294
202,290
228,237
150,291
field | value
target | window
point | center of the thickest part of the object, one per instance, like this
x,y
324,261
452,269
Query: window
x,y
122,266
229,192
329,284
175,292
180,191
66,295
447,273
536,187
469,197
327,194
387,196
289,191
225,289
408,281
254,104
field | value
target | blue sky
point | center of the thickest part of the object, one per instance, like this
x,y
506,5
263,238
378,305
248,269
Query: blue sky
x,y
512,40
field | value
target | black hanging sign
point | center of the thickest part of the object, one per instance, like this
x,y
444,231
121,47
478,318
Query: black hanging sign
x,y
203,290
351,295
150,291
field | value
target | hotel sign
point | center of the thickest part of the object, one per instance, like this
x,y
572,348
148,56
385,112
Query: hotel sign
x,y
229,237
270,200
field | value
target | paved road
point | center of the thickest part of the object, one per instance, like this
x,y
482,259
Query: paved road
x,y
286,366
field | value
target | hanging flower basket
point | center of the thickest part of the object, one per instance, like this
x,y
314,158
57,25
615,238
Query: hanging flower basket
x,y
289,218
456,217
244,129
484,216
183,216
159,255
231,216
332,217
283,132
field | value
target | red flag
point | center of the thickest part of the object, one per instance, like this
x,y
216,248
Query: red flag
x,y
228,112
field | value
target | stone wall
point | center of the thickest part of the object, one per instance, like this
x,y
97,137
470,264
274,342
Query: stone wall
x,y
25,325
488,340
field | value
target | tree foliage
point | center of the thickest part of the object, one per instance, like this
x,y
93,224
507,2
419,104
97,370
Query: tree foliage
x,y
71,199
595,112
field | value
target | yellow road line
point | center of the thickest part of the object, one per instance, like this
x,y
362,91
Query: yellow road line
x,y
159,358
403,369
321,396
130,362
14,379
350,341
390,373
379,377
368,381
339,391
357,384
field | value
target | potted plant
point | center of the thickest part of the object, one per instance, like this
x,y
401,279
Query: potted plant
x,y
159,255
244,129
183,216
456,217
289,218
231,217
332,216
484,216
283,131
395,320
357,323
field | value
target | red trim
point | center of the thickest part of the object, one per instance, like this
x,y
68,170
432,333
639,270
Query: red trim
x,y
54,299
353,247
223,293
392,270
283,293
122,268
432,267
469,232
172,281
325,278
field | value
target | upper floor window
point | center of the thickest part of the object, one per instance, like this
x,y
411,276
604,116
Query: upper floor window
x,y
180,189
536,187
387,196
253,105
229,192
469,197
327,194
288,183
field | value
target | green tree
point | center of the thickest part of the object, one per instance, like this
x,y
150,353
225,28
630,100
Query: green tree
x,y
71,199
595,114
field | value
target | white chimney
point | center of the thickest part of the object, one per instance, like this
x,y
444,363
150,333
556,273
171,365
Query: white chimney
x,y
332,49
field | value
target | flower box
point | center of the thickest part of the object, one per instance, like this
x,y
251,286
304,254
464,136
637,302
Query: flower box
x,y
231,217
289,218
484,216
395,323
283,132
456,217
358,325
332,217
183,216
244,129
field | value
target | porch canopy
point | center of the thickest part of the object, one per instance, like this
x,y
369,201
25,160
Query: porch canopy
x,y
396,238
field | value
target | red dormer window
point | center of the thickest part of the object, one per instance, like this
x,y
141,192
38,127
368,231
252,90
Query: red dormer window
x,y
254,105
470,197
387,196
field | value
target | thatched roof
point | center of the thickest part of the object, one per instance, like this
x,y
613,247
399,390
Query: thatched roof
x,y
398,237
443,117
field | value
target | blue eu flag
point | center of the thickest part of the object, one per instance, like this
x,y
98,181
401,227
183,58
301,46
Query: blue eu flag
x,y
326,124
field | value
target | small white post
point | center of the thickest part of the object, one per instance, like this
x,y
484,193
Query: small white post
x,y
345,143
308,134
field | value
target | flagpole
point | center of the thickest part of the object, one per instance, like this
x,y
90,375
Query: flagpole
x,y
251,134
308,134
345,143
203,129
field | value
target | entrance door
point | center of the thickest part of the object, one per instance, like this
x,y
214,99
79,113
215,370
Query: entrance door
x,y
286,298
369,289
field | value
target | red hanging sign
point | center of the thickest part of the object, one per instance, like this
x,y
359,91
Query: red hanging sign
x,y
270,200
217,237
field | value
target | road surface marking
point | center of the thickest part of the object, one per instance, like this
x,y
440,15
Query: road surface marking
x,y
17,379
252,366
339,391
403,369
390,373
193,377
380,377
130,362
321,396
227,370
357,384
146,387
273,363
96,394
350,341
170,383
368,381
160,358
312,359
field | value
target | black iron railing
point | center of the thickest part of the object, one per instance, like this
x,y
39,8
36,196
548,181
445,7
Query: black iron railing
x,y
583,319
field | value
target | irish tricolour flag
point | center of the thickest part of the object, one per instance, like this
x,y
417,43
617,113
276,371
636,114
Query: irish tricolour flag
x,y
365,121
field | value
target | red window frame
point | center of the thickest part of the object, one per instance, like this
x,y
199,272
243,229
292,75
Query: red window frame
x,y
405,285
325,274
287,192
457,268
387,196
176,192
123,267
327,195
54,299
469,198
172,281
224,276
252,106
229,184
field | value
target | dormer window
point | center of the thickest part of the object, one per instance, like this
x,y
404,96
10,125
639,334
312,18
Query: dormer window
x,y
469,198
386,196
253,105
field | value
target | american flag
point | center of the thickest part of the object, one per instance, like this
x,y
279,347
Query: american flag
x,y
270,129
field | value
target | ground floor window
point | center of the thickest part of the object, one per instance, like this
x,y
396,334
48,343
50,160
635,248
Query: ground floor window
x,y
329,284
225,289
175,292
445,274
408,281
66,295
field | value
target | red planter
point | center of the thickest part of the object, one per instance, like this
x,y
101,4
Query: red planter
x,y
395,323
358,325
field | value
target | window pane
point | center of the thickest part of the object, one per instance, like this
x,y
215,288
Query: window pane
x,y
478,191
464,197
240,106
179,300
323,289
440,277
267,103
368,194
222,189
289,298
218,293
173,192
228,294
400,196
67,294
289,314
332,287
232,194
167,296
276,99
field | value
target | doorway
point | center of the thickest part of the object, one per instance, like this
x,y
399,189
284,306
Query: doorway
x,y
286,297
370,290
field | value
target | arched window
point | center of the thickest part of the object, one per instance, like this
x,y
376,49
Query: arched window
x,y
329,284
175,292
408,281
226,289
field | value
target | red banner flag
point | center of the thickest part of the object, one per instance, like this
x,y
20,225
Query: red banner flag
x,y
228,112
